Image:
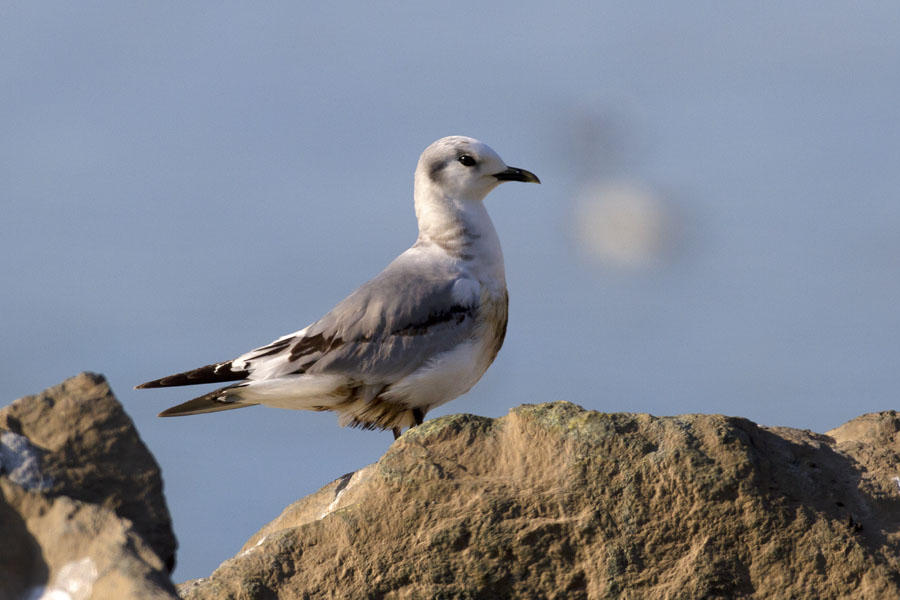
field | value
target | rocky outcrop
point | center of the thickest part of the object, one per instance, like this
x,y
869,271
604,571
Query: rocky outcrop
x,y
82,514
553,501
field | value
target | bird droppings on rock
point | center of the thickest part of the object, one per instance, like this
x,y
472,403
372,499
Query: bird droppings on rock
x,y
21,461
75,581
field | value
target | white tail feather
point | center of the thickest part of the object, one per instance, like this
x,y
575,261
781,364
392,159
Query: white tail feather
x,y
297,392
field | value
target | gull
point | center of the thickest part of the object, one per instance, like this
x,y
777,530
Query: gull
x,y
417,336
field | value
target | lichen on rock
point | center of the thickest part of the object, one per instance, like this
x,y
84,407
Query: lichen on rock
x,y
553,501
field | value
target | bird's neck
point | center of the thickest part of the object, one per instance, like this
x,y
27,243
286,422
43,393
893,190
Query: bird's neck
x,y
463,230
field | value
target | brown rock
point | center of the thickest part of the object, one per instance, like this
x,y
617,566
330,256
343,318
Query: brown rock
x,y
82,501
553,501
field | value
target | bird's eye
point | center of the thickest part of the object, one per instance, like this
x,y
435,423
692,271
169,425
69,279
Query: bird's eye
x,y
466,160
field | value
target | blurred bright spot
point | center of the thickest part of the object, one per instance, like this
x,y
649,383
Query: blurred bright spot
x,y
621,223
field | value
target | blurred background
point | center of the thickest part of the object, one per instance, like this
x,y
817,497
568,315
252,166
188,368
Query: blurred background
x,y
718,228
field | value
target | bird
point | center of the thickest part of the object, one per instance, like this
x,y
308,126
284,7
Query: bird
x,y
418,335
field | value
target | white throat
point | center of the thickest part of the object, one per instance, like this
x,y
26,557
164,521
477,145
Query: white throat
x,y
461,228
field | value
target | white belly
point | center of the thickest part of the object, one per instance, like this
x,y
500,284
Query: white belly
x,y
440,380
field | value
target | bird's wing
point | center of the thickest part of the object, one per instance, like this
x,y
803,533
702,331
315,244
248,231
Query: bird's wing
x,y
414,310
215,373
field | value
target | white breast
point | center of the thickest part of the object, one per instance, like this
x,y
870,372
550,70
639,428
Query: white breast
x,y
453,373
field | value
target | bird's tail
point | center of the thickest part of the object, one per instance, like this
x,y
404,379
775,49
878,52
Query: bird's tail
x,y
214,401
214,373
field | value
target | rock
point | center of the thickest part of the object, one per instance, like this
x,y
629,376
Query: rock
x,y
553,501
82,511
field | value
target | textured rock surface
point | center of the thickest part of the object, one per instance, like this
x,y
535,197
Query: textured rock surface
x,y
553,501
81,504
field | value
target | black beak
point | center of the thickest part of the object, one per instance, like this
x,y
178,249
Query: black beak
x,y
514,174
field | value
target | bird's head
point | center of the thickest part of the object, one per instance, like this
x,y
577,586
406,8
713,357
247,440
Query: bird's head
x,y
464,169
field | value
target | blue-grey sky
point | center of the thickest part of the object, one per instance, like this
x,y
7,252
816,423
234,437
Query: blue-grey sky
x,y
181,183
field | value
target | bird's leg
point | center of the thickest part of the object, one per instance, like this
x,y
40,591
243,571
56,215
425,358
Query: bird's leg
x,y
418,416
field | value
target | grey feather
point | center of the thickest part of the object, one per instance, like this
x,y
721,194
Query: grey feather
x,y
384,330
207,403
